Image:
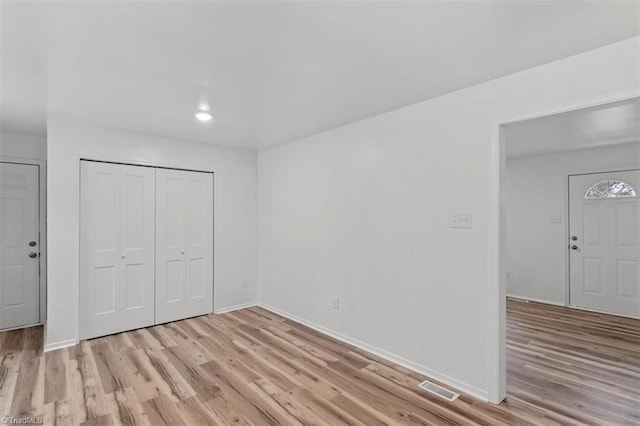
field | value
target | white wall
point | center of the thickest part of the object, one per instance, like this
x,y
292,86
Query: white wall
x,y
23,146
234,212
361,212
537,191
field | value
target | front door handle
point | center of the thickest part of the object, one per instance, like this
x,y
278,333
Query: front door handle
x,y
574,247
33,255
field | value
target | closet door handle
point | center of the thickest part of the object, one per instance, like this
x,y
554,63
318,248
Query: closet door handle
x,y
182,251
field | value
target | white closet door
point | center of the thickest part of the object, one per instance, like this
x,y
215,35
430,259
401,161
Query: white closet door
x,y
117,248
184,244
137,247
199,243
171,215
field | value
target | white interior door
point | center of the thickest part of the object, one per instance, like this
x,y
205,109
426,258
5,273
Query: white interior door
x,y
19,246
605,242
184,244
117,248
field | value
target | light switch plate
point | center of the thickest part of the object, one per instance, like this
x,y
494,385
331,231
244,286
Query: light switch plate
x,y
461,221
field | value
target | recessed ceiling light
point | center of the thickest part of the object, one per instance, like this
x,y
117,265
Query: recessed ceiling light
x,y
204,116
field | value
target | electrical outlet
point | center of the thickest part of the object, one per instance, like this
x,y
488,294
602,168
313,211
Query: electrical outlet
x,y
335,302
244,282
461,221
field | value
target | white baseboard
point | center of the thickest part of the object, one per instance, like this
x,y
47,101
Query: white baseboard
x,y
533,299
454,383
59,345
235,307
21,327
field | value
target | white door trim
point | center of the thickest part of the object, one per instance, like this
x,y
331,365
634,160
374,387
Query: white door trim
x,y
42,223
496,250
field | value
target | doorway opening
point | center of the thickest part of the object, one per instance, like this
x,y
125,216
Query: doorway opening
x,y
570,253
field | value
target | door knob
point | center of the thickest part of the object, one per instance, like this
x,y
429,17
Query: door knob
x,y
574,247
33,255
123,255
182,251
32,243
574,238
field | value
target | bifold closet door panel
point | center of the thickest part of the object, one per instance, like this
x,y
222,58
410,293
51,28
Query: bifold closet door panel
x,y
184,244
171,214
137,242
199,243
117,233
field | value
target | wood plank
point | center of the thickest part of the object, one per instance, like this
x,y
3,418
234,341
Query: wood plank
x,y
55,382
130,411
9,368
22,404
96,403
226,412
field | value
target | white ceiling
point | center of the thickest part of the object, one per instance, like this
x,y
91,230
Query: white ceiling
x,y
604,125
273,71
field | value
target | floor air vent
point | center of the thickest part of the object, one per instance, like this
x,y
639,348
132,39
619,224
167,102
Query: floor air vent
x,y
438,390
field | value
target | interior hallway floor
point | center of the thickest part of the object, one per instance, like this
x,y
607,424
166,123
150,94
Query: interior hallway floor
x,y
253,367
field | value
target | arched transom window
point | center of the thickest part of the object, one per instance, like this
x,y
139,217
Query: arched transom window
x,y
610,189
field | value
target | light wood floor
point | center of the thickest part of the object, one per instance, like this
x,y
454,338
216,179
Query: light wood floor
x,y
253,367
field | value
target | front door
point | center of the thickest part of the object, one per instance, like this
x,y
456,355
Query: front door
x,y
19,246
604,242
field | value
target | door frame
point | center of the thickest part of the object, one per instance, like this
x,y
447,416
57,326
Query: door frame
x,y
42,231
567,223
496,244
